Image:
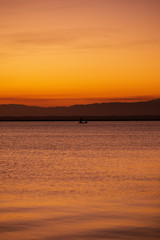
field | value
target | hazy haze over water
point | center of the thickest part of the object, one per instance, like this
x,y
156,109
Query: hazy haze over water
x,y
63,180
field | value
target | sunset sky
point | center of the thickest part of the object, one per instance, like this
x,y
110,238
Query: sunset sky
x,y
65,52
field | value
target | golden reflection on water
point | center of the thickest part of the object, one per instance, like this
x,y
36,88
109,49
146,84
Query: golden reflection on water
x,y
65,181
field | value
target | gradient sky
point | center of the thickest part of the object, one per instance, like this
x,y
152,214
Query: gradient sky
x,y
64,52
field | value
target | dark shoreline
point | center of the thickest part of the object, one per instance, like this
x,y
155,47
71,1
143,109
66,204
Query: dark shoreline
x,y
76,118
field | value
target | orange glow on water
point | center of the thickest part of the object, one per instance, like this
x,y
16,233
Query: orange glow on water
x,y
64,181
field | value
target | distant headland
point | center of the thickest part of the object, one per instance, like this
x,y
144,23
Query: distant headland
x,y
114,111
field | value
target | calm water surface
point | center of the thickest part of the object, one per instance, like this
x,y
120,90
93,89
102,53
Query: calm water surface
x,y
63,180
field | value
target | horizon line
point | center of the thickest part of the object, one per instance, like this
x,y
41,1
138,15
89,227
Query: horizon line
x,y
99,101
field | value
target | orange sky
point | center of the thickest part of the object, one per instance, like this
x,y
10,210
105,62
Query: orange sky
x,y
64,52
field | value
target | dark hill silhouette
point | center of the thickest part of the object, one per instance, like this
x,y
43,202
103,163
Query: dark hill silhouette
x,y
150,108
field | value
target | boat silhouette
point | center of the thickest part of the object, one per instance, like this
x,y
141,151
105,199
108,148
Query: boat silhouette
x,y
81,121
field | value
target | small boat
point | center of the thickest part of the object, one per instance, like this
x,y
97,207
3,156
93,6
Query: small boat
x,y
81,121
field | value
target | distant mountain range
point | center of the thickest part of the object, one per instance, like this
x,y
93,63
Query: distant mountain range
x,y
97,110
